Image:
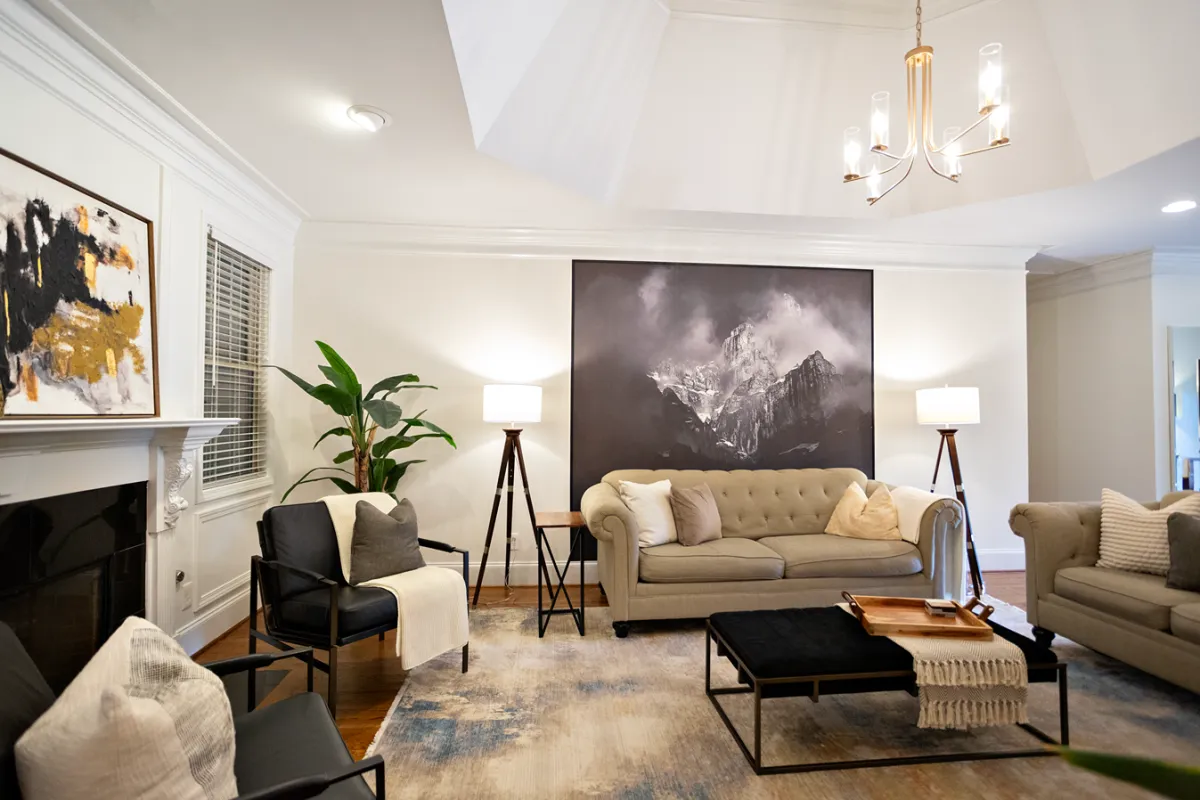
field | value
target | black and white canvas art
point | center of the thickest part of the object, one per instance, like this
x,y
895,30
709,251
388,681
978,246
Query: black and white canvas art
x,y
687,366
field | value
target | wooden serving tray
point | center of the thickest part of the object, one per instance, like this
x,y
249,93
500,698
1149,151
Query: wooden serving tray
x,y
905,616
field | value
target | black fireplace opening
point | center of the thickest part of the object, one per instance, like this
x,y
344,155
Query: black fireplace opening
x,y
72,568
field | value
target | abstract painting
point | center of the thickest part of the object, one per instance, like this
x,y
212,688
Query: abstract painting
x,y
76,300
690,366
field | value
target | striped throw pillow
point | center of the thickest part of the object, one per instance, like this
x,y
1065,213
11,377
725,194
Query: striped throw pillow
x,y
1134,538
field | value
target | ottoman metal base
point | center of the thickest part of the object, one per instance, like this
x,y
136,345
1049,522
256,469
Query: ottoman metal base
x,y
756,685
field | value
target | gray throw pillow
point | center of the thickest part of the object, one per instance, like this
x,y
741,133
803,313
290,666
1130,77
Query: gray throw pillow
x,y
383,544
1183,536
696,517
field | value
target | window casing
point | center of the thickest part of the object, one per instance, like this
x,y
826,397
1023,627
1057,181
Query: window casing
x,y
235,352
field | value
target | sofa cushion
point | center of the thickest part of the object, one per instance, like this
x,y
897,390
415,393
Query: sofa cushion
x,y
360,608
1185,622
1134,596
760,502
822,555
733,559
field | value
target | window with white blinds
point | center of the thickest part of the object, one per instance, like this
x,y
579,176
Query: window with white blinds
x,y
235,350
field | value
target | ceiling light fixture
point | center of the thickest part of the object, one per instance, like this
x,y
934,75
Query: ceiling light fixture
x,y
369,118
993,109
1178,206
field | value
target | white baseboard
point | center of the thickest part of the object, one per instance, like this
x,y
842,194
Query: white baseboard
x,y
1012,560
206,628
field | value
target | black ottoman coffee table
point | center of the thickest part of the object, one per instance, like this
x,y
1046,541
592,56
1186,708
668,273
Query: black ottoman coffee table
x,y
809,652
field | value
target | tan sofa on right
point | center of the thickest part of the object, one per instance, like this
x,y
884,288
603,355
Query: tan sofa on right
x,y
1127,615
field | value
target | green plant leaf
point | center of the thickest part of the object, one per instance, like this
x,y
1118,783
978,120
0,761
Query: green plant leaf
x,y
345,485
305,479
411,421
391,384
397,472
399,442
385,413
296,379
379,472
341,402
343,377
417,422
343,457
339,431
1170,780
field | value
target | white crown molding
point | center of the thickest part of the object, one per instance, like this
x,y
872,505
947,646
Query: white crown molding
x,y
58,61
1121,269
1177,261
665,243
867,14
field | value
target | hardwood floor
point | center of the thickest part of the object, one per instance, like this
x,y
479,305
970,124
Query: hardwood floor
x,y
369,676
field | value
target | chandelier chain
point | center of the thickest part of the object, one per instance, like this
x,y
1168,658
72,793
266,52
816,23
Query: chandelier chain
x,y
918,23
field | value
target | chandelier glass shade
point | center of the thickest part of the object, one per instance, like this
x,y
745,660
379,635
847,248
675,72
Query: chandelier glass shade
x,y
863,162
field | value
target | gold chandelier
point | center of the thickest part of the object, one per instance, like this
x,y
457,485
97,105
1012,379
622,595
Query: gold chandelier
x,y
993,109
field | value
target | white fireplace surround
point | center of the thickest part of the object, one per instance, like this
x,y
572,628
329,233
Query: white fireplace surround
x,y
44,458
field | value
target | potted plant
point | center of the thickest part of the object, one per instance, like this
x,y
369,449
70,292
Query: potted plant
x,y
364,416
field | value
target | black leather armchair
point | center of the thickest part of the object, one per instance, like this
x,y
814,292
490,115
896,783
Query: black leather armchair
x,y
290,750
306,599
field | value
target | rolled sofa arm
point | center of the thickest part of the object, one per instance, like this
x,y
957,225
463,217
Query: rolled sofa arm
x,y
943,546
1057,535
612,523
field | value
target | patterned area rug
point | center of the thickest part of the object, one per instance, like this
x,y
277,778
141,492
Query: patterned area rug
x,y
566,717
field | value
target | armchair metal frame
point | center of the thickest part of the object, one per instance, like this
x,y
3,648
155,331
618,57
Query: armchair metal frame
x,y
283,639
310,785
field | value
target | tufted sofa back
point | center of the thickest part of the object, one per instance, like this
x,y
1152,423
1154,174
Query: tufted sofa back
x,y
760,502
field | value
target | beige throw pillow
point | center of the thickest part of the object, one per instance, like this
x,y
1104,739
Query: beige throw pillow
x,y
141,721
651,507
859,518
1134,538
696,517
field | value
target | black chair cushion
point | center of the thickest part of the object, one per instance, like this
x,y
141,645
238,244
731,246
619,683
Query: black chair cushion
x,y
360,609
302,536
291,739
24,696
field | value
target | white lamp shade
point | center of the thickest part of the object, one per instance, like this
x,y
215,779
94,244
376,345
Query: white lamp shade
x,y
948,405
512,403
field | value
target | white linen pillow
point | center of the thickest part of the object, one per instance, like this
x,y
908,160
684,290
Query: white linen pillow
x,y
141,721
651,507
857,517
1134,538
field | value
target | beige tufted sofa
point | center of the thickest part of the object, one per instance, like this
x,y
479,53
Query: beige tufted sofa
x,y
773,552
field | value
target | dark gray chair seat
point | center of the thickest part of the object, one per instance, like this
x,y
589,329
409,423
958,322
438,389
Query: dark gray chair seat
x,y
294,737
359,609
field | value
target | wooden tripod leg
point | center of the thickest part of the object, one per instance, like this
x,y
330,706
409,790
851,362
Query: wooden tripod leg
x,y
972,557
528,497
515,441
505,465
937,465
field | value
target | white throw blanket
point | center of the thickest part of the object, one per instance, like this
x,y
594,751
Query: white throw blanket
x,y
911,504
965,683
431,602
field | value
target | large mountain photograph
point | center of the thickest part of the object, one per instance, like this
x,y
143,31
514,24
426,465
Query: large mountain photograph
x,y
688,366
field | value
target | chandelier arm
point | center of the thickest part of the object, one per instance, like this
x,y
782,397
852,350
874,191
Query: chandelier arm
x,y
929,161
900,161
899,181
964,132
983,149
892,156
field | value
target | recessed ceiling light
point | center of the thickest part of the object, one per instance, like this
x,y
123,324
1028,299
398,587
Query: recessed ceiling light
x,y
1179,205
369,118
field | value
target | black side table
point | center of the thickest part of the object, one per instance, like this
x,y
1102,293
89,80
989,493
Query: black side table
x,y
559,519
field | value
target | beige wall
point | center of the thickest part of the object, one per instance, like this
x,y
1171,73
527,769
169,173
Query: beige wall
x,y
461,321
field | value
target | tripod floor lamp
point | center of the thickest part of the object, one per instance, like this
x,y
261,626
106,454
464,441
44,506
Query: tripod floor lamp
x,y
949,406
508,404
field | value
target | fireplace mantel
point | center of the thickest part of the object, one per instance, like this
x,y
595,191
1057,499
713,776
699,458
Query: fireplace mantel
x,y
44,458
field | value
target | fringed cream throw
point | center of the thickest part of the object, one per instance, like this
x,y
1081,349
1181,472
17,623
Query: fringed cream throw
x,y
966,683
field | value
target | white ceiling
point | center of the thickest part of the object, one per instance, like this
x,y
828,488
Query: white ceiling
x,y
697,113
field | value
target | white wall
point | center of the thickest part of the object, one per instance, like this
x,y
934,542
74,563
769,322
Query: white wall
x,y
461,316
79,120
1092,385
